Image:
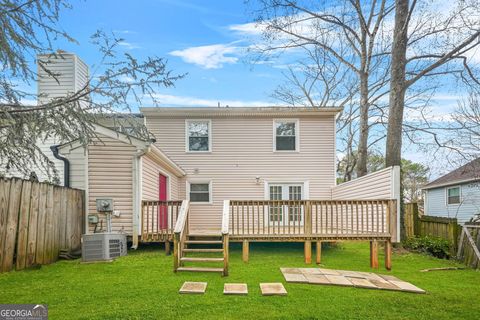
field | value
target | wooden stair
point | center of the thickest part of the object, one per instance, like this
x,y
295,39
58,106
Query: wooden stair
x,y
200,253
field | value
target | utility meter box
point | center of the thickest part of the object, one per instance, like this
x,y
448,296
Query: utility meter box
x,y
104,204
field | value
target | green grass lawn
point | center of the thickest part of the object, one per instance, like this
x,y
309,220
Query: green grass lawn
x,y
143,286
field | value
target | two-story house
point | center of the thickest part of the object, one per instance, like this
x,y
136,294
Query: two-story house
x,y
242,173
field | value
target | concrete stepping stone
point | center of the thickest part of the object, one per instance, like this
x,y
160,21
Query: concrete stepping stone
x,y
385,285
291,270
339,280
351,274
193,287
273,289
317,279
362,283
405,286
295,277
329,272
389,277
306,271
235,288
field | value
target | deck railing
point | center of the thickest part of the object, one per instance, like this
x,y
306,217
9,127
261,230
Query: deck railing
x,y
180,233
225,234
311,218
158,220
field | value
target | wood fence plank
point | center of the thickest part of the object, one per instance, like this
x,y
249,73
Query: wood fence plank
x,y
42,208
4,196
12,223
68,221
57,208
49,232
32,225
62,223
22,233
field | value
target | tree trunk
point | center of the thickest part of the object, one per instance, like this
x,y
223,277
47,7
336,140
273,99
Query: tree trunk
x,y
363,132
393,151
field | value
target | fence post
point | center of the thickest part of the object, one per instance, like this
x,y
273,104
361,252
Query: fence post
x,y
416,219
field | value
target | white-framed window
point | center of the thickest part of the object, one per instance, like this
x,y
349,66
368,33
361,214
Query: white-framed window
x,y
286,135
200,191
453,195
198,135
285,191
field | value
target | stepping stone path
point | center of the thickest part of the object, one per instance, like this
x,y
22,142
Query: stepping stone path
x,y
346,278
273,289
193,287
235,288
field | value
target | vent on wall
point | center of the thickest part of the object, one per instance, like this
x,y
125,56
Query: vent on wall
x,y
103,246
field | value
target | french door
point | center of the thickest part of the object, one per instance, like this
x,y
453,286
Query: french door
x,y
283,214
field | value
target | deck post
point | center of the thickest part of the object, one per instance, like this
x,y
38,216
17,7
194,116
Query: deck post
x,y
167,247
374,254
225,254
175,253
308,251
319,252
388,255
245,249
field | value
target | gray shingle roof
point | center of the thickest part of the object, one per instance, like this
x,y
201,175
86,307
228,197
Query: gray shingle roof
x,y
468,172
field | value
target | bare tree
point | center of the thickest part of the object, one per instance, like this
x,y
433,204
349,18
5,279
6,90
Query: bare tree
x,y
349,36
119,84
430,40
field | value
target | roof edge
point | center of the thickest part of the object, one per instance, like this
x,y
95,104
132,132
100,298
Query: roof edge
x,y
449,183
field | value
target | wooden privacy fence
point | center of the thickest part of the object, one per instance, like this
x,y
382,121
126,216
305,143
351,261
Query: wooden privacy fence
x,y
469,245
439,227
36,221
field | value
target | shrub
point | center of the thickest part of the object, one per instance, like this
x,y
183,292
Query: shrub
x,y
436,247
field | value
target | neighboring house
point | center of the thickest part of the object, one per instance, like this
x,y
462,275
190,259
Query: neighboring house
x,y
456,194
258,173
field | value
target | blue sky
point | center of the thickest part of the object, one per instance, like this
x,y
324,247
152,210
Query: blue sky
x,y
197,37
207,40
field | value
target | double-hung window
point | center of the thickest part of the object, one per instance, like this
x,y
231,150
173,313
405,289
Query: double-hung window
x,y
286,135
453,195
200,192
198,135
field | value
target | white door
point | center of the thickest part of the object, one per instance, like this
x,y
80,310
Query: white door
x,y
282,214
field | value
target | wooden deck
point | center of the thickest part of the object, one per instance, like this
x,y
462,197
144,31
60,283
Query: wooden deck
x,y
277,221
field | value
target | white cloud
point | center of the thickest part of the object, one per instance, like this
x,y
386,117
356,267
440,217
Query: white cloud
x,y
251,28
128,45
171,100
210,57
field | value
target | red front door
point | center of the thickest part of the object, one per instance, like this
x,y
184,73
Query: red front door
x,y
162,196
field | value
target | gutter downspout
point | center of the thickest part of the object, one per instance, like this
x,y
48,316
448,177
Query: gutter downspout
x,y
66,165
137,194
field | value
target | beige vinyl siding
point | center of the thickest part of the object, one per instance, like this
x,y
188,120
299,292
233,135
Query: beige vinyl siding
x,y
383,184
376,185
77,159
110,172
242,148
150,180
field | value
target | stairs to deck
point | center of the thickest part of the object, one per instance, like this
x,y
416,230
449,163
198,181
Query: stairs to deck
x,y
202,253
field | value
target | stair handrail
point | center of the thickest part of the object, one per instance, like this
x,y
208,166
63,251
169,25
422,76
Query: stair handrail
x,y
179,233
226,216
225,234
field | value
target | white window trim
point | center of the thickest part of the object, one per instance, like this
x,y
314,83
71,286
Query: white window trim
x,y
459,196
297,135
210,188
305,187
187,141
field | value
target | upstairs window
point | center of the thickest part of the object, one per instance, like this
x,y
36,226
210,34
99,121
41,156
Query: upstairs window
x,y
286,135
200,192
198,135
453,195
